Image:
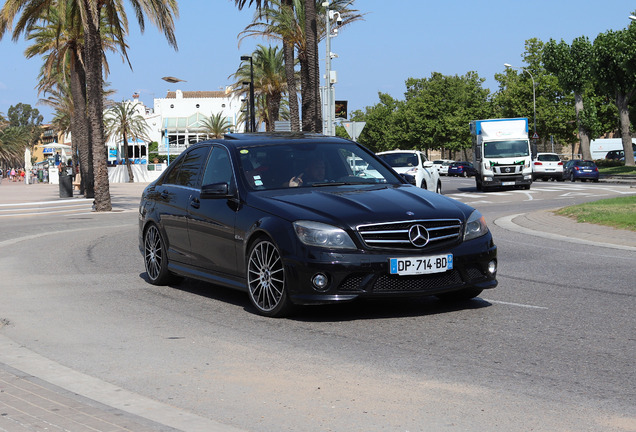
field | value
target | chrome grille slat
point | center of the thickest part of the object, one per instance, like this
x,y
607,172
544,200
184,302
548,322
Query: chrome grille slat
x,y
396,234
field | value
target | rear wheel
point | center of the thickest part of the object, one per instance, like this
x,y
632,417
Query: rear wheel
x,y
156,256
266,280
572,177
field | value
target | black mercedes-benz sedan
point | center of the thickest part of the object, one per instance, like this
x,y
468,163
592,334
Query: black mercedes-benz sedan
x,y
286,218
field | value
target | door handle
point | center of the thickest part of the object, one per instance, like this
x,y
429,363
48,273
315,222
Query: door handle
x,y
195,203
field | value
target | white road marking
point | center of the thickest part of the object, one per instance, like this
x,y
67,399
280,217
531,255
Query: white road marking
x,y
515,304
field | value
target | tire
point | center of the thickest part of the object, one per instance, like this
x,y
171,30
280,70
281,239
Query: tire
x,y
423,185
266,280
462,295
438,189
572,177
155,257
465,174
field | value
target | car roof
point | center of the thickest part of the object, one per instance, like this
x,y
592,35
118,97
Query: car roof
x,y
399,151
260,138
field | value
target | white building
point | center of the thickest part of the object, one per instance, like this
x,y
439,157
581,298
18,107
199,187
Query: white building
x,y
180,113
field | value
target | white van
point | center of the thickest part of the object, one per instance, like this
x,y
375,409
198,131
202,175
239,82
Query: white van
x,y
600,147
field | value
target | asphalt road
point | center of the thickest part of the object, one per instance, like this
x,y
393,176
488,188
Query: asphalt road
x,y
552,348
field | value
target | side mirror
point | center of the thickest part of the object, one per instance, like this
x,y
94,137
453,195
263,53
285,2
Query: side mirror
x,y
215,190
428,164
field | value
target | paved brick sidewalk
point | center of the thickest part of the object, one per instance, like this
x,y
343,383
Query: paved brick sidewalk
x,y
29,404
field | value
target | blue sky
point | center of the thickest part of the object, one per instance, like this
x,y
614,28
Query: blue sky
x,y
397,40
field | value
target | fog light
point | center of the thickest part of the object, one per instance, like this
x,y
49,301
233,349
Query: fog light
x,y
488,179
320,281
492,267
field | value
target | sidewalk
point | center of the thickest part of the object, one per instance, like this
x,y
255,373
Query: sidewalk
x,y
123,195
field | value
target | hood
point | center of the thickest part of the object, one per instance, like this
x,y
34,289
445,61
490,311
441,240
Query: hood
x,y
348,206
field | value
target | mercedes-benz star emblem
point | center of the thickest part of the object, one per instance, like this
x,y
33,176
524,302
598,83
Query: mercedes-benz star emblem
x,y
418,236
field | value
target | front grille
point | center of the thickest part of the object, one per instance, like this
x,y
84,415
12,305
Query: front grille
x,y
395,235
392,283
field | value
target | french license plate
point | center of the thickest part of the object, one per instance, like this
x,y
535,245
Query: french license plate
x,y
507,183
586,170
421,265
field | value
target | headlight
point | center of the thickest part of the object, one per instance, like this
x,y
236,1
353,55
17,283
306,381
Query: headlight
x,y
322,235
412,171
475,226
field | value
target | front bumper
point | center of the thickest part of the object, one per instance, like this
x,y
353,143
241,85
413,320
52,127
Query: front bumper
x,y
366,275
503,181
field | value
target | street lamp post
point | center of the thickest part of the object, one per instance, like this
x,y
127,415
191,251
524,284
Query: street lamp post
x,y
534,97
252,116
329,103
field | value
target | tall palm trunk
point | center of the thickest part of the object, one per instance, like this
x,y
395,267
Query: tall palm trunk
x,y
292,91
313,122
80,129
94,105
131,177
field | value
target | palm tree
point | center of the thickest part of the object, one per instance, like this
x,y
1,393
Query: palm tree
x,y
269,80
13,141
124,120
160,12
216,125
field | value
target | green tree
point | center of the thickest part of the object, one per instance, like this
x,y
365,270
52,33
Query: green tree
x,y
614,67
438,109
571,65
216,125
555,115
124,120
378,133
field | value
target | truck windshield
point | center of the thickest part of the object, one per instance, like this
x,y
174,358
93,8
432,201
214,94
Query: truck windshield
x,y
501,149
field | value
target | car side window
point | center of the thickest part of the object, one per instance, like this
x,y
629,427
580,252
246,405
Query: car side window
x,y
188,172
219,168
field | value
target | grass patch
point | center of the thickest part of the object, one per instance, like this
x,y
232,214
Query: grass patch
x,y
615,212
617,170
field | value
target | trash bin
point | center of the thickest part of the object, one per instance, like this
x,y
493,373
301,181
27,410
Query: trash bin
x,y
66,186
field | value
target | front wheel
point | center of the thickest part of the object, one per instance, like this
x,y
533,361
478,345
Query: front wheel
x,y
438,189
266,280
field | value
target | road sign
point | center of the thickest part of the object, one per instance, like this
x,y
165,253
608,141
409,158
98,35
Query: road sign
x,y
354,129
535,136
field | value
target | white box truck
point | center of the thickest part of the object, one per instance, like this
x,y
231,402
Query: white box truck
x,y
502,153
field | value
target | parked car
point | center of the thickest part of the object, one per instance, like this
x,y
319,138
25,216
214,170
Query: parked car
x,y
441,165
245,212
462,169
443,170
414,163
578,169
622,159
615,155
547,166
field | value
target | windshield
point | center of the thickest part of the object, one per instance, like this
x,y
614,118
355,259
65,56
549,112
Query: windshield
x,y
400,160
548,158
501,149
315,164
